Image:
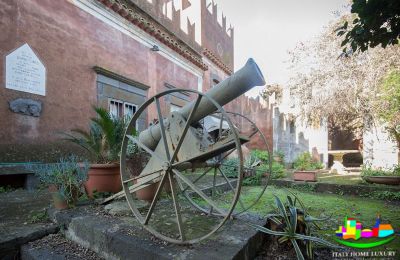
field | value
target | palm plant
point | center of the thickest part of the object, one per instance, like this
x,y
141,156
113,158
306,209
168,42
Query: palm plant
x,y
104,138
294,225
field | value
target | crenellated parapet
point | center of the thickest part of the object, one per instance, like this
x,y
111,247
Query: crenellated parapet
x,y
168,22
149,16
217,38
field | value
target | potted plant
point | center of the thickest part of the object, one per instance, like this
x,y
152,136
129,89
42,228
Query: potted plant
x,y
306,168
64,179
290,224
380,176
103,142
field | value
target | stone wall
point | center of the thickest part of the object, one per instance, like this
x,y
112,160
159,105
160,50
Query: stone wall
x,y
292,138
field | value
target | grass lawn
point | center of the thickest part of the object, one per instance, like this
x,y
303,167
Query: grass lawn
x,y
338,207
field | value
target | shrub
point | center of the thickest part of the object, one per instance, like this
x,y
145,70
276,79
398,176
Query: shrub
x,y
229,167
304,162
67,176
261,155
278,170
367,170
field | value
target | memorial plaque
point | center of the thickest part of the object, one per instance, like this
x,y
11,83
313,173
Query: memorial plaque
x,y
25,72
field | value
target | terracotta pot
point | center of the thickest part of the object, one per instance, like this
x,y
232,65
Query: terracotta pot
x,y
388,180
147,193
305,176
103,178
60,202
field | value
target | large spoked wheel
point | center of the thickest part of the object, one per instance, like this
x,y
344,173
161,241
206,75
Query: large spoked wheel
x,y
224,167
180,164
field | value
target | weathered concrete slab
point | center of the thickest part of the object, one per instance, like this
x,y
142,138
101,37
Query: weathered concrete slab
x,y
17,212
124,238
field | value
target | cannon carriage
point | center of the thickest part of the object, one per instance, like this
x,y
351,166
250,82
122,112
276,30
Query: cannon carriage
x,y
196,191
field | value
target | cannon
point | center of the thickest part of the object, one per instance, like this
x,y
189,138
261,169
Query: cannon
x,y
193,163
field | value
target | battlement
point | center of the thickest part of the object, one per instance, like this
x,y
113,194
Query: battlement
x,y
217,39
193,28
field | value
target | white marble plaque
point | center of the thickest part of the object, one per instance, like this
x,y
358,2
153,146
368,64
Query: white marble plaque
x,y
25,72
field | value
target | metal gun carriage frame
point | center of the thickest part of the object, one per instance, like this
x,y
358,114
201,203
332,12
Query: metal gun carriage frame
x,y
183,154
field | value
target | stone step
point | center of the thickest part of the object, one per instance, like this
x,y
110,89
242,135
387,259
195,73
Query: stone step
x,y
122,237
56,247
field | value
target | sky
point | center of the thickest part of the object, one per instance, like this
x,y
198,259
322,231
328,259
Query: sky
x,y
266,29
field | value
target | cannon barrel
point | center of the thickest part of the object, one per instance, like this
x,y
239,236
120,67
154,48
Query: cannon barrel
x,y
224,92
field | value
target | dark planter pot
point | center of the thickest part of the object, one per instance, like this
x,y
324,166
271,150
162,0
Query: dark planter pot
x,y
388,180
305,176
103,178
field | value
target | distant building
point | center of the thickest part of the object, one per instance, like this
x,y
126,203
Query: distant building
x,y
292,136
74,54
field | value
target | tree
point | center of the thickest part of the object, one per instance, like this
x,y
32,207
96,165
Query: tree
x,y
387,105
342,87
377,23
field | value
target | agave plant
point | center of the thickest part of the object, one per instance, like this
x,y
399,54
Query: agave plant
x,y
104,138
294,225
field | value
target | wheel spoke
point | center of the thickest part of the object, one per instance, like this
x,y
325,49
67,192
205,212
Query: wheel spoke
x,y
162,126
146,181
176,207
144,147
226,155
213,189
155,199
185,129
198,191
141,176
230,185
198,178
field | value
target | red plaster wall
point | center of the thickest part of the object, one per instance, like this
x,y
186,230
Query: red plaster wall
x,y
70,42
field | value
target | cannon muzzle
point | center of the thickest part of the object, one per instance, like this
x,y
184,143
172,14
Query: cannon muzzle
x,y
224,92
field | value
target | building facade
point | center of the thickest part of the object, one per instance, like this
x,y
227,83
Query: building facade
x,y
116,54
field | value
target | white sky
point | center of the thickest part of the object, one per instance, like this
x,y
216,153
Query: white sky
x,y
266,29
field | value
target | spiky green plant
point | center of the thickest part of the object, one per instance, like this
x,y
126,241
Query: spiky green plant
x,y
67,175
104,138
294,225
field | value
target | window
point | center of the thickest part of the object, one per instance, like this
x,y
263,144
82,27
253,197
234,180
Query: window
x,y
120,108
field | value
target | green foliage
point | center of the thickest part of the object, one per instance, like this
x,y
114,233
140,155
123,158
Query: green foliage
x,y
294,225
304,162
253,179
255,166
388,103
4,189
104,139
278,170
377,23
261,155
230,167
386,195
39,216
367,171
68,175
280,154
